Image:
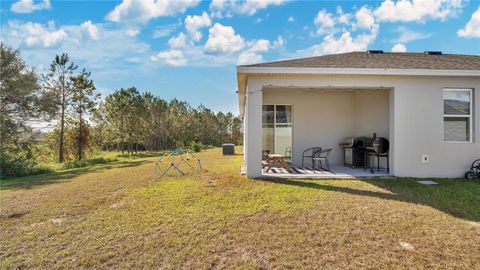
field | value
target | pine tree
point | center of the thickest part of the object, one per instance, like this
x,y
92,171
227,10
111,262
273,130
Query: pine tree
x,y
84,100
59,85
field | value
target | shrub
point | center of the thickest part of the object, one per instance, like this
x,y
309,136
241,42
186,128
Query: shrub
x,y
87,162
196,147
20,164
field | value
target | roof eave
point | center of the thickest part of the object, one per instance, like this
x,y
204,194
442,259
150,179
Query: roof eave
x,y
357,71
243,72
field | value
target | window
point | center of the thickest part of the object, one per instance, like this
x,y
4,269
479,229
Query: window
x,y
457,115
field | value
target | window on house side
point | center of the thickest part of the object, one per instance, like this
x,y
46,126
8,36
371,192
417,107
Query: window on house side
x,y
457,115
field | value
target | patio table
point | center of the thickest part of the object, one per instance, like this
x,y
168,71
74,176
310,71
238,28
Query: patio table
x,y
276,159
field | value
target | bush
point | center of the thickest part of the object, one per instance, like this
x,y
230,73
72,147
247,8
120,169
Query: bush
x,y
87,162
196,147
20,164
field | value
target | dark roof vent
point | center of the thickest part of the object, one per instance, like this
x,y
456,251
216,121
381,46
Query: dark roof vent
x,y
374,51
433,52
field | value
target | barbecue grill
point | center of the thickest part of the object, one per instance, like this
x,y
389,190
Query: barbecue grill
x,y
375,145
353,155
358,151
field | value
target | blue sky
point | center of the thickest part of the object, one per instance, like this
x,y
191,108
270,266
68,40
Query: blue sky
x,y
189,49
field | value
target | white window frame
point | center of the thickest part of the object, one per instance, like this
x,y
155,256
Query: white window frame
x,y
469,116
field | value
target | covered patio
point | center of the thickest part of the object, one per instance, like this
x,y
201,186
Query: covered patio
x,y
295,119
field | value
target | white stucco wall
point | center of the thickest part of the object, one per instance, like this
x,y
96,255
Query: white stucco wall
x,y
414,121
371,112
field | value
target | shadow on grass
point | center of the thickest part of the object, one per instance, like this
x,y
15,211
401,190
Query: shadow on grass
x,y
459,198
31,181
142,154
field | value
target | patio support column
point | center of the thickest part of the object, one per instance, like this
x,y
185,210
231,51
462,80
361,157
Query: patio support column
x,y
254,131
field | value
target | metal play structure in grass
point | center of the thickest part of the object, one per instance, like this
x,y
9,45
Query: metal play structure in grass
x,y
178,161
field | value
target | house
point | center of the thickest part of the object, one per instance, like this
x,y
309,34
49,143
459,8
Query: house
x,y
426,104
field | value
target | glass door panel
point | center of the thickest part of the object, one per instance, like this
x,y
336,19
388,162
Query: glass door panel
x,y
277,129
283,138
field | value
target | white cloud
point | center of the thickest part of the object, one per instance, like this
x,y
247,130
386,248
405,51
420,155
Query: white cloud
x,y
417,10
344,32
250,7
291,19
132,32
107,55
247,57
170,57
165,30
261,19
399,48
409,35
223,47
365,18
223,40
28,6
35,35
343,18
472,28
197,56
217,7
261,45
140,12
328,23
279,42
194,23
179,41
324,22
344,43
91,29
247,7
251,55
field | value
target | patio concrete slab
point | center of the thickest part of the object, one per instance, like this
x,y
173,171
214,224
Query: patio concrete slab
x,y
337,172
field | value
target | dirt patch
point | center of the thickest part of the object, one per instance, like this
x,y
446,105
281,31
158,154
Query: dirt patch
x,y
407,246
56,220
49,221
117,204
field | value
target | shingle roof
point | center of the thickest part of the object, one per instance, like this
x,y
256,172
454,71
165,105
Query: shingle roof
x,y
385,60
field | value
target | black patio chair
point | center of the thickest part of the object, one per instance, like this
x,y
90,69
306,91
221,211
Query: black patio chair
x,y
311,153
323,157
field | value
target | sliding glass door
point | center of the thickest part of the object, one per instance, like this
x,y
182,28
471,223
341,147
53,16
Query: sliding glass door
x,y
277,129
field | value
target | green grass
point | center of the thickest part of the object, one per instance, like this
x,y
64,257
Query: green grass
x,y
119,215
49,170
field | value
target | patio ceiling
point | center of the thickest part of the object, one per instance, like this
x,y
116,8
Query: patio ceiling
x,y
306,89
327,89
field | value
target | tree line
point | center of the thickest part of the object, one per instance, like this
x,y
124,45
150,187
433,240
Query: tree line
x,y
130,121
126,120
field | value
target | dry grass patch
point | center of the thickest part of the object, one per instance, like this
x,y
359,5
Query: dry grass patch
x,y
125,217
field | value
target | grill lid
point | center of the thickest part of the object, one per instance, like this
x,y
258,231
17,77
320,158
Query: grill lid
x,y
379,145
347,142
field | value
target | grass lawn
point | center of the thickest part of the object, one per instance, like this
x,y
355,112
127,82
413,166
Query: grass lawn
x,y
120,215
